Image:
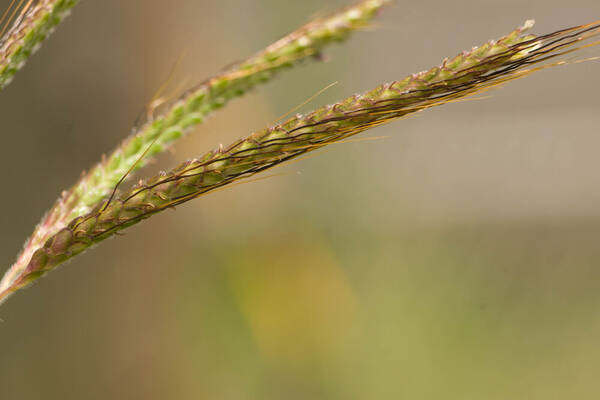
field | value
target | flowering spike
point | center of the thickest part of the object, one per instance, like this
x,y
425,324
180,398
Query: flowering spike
x,y
190,109
471,72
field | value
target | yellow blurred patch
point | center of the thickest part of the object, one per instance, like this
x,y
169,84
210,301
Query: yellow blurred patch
x,y
297,300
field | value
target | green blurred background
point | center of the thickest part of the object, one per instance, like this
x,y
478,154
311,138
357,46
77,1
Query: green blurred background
x,y
457,257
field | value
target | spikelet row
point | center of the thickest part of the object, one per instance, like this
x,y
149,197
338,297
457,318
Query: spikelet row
x,y
189,110
199,102
27,33
467,73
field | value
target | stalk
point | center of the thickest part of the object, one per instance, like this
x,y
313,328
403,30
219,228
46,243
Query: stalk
x,y
35,22
479,69
190,109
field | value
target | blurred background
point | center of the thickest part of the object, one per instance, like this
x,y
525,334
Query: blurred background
x,y
453,256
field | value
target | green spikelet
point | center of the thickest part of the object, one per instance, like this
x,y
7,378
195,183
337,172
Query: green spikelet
x,y
189,110
470,72
27,34
199,102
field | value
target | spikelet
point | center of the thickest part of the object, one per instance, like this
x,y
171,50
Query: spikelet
x,y
199,102
34,23
469,72
190,109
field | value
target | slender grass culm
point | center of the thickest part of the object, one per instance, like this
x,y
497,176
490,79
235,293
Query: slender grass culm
x,y
95,209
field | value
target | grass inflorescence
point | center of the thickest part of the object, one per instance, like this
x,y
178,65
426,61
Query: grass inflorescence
x,y
481,68
161,129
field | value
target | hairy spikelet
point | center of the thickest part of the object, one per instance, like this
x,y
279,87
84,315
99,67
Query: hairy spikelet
x,y
189,110
469,72
33,23
199,102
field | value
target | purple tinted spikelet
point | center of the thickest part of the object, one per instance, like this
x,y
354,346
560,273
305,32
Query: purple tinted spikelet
x,y
470,72
190,109
197,103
